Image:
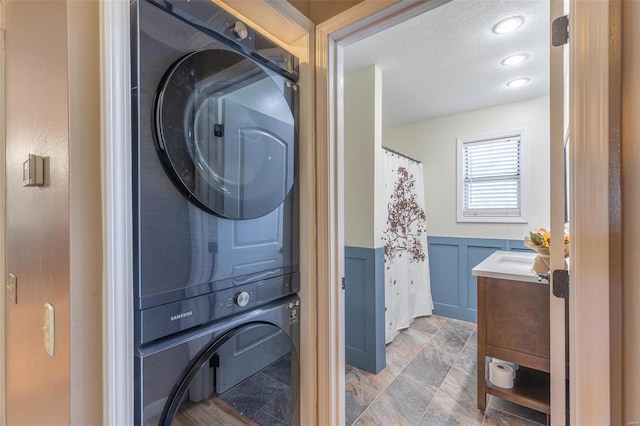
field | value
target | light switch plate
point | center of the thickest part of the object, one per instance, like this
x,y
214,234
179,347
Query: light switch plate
x,y
33,171
12,288
49,329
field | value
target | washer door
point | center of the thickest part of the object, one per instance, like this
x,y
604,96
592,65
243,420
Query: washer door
x,y
226,130
247,376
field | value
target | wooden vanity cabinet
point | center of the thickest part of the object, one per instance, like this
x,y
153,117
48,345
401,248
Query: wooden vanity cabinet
x,y
513,325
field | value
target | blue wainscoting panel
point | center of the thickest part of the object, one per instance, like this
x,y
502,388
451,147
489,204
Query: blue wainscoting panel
x,y
443,264
364,308
451,260
518,245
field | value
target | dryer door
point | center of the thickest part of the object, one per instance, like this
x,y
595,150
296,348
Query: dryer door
x,y
226,129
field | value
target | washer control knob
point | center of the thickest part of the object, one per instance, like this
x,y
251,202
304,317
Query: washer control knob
x,y
239,30
241,298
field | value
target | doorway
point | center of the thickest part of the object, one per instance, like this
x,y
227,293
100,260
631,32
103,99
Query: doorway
x,y
457,89
371,17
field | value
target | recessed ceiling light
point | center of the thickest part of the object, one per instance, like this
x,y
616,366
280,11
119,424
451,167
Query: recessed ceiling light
x,y
508,24
514,59
518,82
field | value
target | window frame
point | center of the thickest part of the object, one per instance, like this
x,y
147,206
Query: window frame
x,y
522,218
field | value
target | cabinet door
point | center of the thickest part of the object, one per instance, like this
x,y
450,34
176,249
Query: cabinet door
x,y
510,307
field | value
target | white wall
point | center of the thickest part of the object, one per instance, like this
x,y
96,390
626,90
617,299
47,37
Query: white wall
x,y
364,216
434,143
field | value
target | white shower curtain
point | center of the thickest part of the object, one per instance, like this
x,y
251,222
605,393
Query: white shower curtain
x,y
407,281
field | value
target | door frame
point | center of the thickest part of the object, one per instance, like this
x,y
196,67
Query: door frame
x,y
557,306
3,245
590,98
362,20
589,333
117,294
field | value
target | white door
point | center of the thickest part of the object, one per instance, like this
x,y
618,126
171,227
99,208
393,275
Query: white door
x,y
558,130
583,72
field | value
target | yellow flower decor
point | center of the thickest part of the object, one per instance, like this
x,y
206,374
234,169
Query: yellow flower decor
x,y
540,241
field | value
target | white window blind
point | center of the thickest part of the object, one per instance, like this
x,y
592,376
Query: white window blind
x,y
491,178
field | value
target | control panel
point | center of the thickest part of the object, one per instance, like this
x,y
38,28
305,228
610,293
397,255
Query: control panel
x,y
174,317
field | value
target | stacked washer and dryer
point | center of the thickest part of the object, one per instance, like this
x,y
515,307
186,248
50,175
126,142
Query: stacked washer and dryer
x,y
215,145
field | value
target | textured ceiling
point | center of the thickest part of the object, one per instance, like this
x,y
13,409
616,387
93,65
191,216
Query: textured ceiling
x,y
447,60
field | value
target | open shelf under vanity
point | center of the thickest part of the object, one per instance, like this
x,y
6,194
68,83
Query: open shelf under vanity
x,y
530,389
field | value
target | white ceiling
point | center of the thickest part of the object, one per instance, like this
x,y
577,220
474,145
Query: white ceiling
x,y
447,60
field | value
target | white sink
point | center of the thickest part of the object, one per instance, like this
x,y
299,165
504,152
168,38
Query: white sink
x,y
508,265
514,259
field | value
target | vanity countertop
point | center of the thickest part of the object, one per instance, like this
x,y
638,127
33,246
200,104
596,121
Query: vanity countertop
x,y
508,265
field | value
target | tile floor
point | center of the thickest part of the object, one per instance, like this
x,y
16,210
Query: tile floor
x,y
429,380
265,397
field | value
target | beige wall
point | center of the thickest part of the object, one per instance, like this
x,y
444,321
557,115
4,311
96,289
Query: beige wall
x,y
303,6
38,388
54,231
434,143
630,208
321,10
363,184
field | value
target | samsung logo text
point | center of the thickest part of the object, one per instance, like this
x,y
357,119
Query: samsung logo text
x,y
182,315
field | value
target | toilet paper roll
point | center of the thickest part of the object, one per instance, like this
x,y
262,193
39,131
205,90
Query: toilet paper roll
x,y
512,364
501,375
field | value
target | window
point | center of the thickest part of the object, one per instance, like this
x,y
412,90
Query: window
x,y
491,183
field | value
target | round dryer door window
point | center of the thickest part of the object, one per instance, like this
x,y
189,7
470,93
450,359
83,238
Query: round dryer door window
x,y
226,130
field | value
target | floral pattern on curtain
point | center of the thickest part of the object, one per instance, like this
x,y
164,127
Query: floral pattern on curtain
x,y
407,281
